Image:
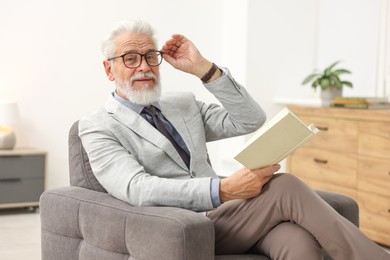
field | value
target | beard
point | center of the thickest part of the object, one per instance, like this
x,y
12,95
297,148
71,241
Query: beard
x,y
144,96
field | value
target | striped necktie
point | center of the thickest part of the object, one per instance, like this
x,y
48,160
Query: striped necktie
x,y
159,125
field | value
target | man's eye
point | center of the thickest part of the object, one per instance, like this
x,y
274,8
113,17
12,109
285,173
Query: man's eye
x,y
151,57
131,58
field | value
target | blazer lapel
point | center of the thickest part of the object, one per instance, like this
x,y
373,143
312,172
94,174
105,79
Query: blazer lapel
x,y
139,125
178,122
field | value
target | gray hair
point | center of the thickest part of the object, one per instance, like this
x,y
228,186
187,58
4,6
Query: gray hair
x,y
129,26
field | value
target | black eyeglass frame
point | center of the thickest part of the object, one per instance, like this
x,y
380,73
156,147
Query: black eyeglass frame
x,y
142,56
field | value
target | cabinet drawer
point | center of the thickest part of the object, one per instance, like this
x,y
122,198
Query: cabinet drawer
x,y
324,166
336,134
21,190
374,175
374,139
25,166
375,215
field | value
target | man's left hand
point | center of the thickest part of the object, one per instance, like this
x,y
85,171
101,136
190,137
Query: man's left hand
x,y
182,54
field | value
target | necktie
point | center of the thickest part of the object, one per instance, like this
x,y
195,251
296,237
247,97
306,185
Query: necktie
x,y
151,110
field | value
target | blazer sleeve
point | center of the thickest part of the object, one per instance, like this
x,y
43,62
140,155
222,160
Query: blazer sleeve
x,y
240,113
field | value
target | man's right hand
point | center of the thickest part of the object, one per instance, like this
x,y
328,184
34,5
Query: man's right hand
x,y
245,183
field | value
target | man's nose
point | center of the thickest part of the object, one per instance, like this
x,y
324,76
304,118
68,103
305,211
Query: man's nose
x,y
144,66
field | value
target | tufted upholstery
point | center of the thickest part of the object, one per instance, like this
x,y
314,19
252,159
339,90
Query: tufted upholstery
x,y
94,225
84,222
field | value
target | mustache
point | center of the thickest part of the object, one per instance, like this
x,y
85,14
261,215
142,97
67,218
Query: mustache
x,y
143,75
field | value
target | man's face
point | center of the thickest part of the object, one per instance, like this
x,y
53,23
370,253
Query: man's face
x,y
137,42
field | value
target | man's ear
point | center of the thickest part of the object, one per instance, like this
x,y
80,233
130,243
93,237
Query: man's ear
x,y
108,69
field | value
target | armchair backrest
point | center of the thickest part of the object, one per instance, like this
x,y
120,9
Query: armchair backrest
x,y
80,170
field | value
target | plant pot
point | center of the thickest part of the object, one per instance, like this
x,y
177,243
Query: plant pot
x,y
329,94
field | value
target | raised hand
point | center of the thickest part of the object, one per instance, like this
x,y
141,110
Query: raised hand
x,y
245,183
182,54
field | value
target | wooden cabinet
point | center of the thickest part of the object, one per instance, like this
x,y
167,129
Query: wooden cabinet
x,y
351,156
22,177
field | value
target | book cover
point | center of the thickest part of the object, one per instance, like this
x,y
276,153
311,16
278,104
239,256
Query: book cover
x,y
350,105
275,140
360,100
362,106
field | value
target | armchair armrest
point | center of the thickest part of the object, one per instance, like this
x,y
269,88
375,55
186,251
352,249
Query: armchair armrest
x,y
344,205
78,223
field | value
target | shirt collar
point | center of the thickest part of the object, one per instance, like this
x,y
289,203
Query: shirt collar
x,y
133,106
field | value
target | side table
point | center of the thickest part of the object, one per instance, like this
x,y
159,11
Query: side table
x,y
22,177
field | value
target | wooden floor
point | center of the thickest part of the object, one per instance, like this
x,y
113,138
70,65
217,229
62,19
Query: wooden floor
x,y
20,235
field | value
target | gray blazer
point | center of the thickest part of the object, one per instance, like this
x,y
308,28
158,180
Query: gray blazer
x,y
137,164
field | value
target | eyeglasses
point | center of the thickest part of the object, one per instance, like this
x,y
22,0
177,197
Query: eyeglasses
x,y
134,59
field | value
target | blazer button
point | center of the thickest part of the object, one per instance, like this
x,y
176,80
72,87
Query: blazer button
x,y
193,174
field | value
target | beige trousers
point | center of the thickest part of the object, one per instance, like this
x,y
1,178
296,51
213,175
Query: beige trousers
x,y
289,221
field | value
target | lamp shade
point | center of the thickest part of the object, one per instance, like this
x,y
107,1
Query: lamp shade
x,y
9,116
9,113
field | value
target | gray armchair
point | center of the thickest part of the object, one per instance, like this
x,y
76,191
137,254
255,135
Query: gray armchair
x,y
84,222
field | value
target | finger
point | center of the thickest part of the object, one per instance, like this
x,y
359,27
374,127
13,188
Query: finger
x,y
176,40
266,171
276,167
169,59
172,41
273,168
179,37
268,178
171,48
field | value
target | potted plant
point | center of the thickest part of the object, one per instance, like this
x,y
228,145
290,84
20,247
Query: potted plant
x,y
329,82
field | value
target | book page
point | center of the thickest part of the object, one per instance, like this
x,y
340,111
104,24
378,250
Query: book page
x,y
274,141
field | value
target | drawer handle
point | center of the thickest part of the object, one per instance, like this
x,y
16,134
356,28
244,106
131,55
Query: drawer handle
x,y
10,180
323,128
320,161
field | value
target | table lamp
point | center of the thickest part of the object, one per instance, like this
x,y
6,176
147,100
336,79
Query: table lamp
x,y
9,116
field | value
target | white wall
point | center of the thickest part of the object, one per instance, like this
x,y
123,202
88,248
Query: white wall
x,y
51,62
349,31
322,32
282,47
383,79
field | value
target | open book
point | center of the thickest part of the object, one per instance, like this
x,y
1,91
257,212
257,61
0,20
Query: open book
x,y
275,140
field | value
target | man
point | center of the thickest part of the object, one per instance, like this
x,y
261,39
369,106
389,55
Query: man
x,y
151,151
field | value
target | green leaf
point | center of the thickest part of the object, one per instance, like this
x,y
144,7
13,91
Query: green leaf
x,y
315,84
332,66
341,71
327,72
311,77
334,80
346,83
